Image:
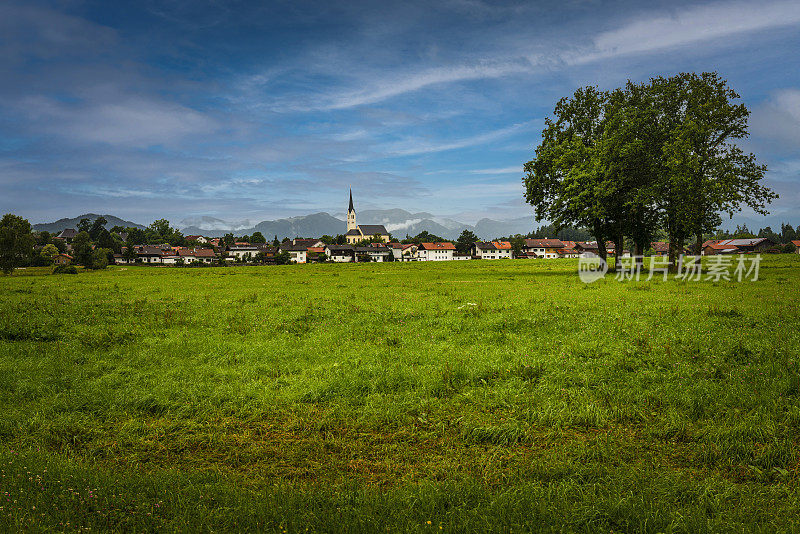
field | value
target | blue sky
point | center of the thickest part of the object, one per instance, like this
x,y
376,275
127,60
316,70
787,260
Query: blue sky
x,y
260,110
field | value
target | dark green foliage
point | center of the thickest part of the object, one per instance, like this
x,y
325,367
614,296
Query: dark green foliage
x,y
65,269
16,242
465,241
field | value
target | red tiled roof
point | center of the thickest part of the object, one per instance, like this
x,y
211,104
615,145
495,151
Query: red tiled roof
x,y
796,243
502,245
660,246
437,246
544,243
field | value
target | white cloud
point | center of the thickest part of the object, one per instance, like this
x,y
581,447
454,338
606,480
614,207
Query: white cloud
x,y
131,121
517,169
693,25
401,84
411,147
779,118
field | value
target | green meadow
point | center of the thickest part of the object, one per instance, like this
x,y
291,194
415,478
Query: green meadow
x,y
428,397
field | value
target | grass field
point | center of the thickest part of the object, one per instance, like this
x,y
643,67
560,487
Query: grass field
x,y
482,395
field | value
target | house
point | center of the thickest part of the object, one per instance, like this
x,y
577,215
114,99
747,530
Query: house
x,y
242,251
196,238
568,253
714,249
297,253
436,251
378,254
543,248
485,251
62,259
755,244
149,254
660,248
356,232
202,255
340,253
587,247
67,234
503,249
403,252
796,246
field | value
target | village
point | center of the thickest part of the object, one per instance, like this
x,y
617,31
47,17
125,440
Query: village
x,y
373,243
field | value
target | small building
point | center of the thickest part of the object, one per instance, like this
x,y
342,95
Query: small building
x,y
149,254
196,239
484,250
297,253
796,244
543,248
377,254
436,251
340,253
714,249
242,251
62,259
67,234
202,255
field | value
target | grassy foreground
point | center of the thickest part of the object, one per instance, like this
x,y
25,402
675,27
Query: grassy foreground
x,y
483,395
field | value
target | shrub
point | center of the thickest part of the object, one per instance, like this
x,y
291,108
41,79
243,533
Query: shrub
x,y
65,269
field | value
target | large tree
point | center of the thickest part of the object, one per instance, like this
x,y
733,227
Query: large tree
x,y
16,242
705,172
564,182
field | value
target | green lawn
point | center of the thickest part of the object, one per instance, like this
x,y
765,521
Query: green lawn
x,y
483,395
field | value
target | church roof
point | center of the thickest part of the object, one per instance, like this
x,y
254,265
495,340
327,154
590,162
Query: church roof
x,y
372,229
351,201
354,231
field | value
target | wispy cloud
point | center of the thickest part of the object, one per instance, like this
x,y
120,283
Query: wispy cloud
x,y
411,147
516,169
686,26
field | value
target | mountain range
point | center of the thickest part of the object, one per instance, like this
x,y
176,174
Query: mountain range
x,y
55,227
397,221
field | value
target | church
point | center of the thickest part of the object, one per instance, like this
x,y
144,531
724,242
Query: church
x,y
359,232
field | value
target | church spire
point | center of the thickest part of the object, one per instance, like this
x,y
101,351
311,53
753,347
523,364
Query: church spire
x,y
351,201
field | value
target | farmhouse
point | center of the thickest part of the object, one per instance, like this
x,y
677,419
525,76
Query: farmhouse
x,y
379,254
242,250
796,244
62,259
356,232
542,248
67,234
436,251
297,253
203,255
340,253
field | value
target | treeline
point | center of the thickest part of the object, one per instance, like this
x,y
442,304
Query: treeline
x,y
646,159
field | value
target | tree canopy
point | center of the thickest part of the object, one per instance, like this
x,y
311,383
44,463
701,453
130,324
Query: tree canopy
x,y
646,157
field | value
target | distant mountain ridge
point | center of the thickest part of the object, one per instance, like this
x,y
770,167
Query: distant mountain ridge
x,y
61,224
397,221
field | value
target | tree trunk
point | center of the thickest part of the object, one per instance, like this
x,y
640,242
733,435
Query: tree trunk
x,y
619,242
698,244
638,252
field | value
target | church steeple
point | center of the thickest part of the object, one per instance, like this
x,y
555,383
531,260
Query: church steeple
x,y
351,215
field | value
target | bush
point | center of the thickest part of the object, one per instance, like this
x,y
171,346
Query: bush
x,y
65,269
